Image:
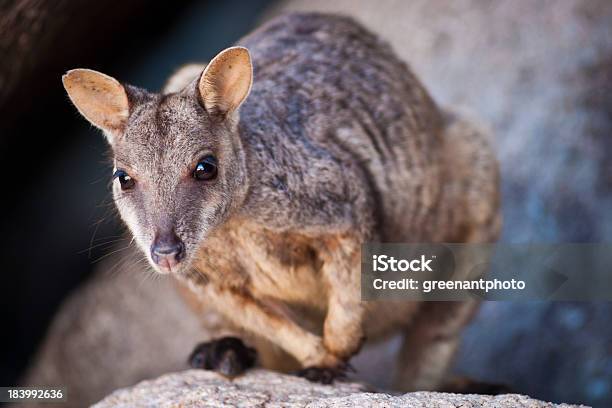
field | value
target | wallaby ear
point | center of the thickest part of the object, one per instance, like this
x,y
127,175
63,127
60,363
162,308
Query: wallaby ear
x,y
185,75
101,99
226,81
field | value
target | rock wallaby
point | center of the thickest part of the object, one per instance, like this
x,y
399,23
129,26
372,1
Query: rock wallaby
x,y
254,181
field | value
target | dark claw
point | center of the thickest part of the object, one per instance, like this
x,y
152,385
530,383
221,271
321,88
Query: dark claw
x,y
493,389
323,375
463,385
228,356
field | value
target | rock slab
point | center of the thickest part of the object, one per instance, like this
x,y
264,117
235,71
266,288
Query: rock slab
x,y
261,388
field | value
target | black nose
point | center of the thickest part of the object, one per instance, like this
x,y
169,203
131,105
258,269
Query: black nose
x,y
167,250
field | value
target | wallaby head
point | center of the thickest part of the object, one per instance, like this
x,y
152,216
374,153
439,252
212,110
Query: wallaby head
x,y
179,167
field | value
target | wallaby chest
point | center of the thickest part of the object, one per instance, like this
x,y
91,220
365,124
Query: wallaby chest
x,y
268,264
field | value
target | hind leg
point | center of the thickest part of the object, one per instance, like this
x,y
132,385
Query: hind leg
x,y
430,345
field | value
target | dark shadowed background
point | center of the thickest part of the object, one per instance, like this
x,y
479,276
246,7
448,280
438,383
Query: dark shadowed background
x,y
540,73
57,203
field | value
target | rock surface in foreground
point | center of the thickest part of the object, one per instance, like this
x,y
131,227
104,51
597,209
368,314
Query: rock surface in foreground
x,y
260,388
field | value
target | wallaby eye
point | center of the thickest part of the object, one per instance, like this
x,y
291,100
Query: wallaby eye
x,y
125,180
206,169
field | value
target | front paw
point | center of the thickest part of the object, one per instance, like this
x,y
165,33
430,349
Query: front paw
x,y
228,356
324,375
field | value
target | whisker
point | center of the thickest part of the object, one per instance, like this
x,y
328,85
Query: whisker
x,y
101,244
110,253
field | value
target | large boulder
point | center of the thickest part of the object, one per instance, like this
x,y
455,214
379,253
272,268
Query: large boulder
x,y
260,388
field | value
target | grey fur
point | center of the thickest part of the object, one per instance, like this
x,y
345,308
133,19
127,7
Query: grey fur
x,y
337,144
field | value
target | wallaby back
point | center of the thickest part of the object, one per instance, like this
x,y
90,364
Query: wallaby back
x,y
335,117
